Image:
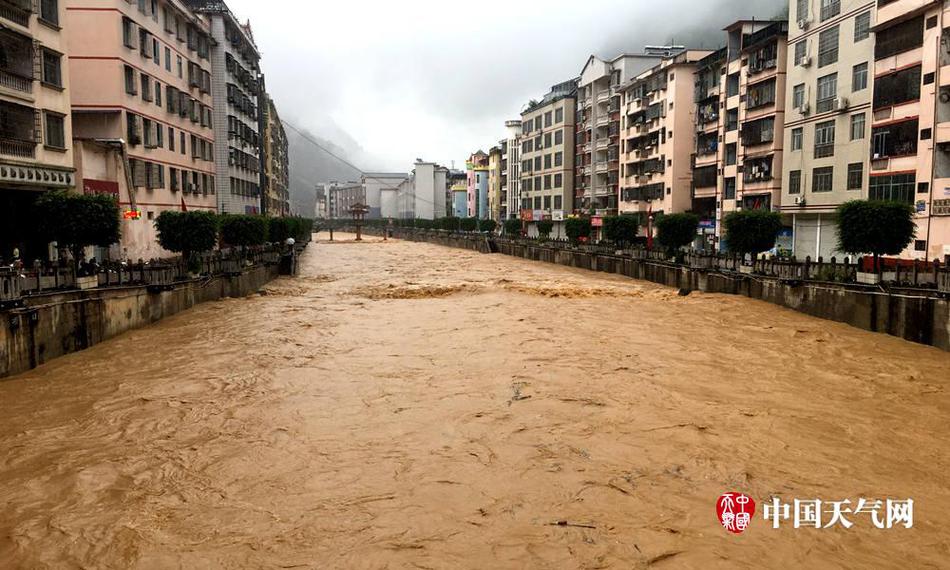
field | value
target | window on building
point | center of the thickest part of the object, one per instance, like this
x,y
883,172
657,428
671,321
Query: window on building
x,y
859,77
182,139
558,200
180,68
895,139
537,163
797,136
558,137
547,202
52,70
758,95
558,183
900,37
537,201
158,94
798,96
49,11
827,92
862,26
559,115
801,51
828,47
801,9
923,187
55,130
548,119
131,85
547,161
897,88
558,159
732,85
168,59
855,176
830,9
547,140
795,182
729,189
547,181
146,87
731,154
537,123
825,139
823,179
171,139
857,126
896,187
128,33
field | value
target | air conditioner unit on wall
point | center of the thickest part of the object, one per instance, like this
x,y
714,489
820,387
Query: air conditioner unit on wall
x,y
799,200
841,103
805,61
805,108
803,24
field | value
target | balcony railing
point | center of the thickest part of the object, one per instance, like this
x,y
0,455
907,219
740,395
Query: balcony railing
x,y
17,148
15,82
16,11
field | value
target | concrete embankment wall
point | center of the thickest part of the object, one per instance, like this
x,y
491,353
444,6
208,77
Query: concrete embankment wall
x,y
922,318
49,326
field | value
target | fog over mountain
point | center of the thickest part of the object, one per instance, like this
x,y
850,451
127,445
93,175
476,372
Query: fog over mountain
x,y
390,82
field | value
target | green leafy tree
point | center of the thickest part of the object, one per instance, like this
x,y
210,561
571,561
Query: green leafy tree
x,y
577,228
280,229
487,225
243,230
468,224
752,231
512,227
875,227
545,227
78,220
621,230
675,231
187,233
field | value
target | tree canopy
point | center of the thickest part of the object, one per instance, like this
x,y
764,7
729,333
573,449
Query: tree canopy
x,y
752,231
675,231
875,227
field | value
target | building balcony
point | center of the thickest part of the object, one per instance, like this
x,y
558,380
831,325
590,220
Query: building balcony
x,y
602,167
603,121
16,11
17,148
603,96
602,143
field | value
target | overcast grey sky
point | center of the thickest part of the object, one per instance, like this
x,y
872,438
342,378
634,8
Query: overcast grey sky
x,y
437,79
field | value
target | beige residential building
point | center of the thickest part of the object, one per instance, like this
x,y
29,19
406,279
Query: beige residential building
x,y
495,158
236,86
35,128
753,120
276,195
830,59
657,130
597,152
511,170
910,130
547,155
142,81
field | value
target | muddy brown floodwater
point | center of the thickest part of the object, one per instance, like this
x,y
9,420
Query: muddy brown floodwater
x,y
405,405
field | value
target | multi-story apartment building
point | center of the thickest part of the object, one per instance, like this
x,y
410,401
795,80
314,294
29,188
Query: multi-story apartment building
x,y
547,155
477,170
657,135
341,196
910,128
597,140
749,123
35,128
495,155
276,172
235,85
709,159
826,144
422,195
142,74
374,183
511,170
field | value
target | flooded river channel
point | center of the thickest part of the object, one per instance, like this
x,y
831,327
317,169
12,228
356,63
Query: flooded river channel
x,y
405,405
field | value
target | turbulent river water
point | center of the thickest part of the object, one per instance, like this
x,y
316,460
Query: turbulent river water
x,y
405,405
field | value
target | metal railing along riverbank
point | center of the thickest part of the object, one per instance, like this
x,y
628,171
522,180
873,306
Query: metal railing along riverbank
x,y
925,276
